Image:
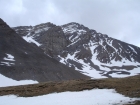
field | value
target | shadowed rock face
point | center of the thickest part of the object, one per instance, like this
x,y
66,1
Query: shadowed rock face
x,y
20,60
82,48
53,41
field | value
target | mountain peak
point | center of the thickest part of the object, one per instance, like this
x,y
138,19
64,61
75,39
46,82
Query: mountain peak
x,y
87,51
48,24
74,25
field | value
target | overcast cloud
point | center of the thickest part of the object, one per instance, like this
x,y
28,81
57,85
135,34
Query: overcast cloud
x,y
119,19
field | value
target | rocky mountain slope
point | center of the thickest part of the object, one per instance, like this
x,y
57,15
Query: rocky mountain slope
x,y
91,53
20,60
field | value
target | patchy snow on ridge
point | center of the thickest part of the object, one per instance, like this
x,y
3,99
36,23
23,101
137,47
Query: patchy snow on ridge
x,y
103,70
73,28
5,81
86,97
40,29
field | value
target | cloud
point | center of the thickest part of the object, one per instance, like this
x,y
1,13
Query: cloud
x,y
119,19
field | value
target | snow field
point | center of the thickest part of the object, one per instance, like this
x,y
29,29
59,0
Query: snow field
x,y
4,81
86,97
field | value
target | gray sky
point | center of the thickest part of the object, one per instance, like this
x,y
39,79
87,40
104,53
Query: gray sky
x,y
119,19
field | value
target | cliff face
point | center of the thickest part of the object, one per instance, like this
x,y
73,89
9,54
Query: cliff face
x,y
91,53
20,60
53,41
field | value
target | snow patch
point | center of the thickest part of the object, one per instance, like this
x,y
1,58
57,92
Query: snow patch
x,y
86,97
8,61
26,53
9,57
133,49
5,81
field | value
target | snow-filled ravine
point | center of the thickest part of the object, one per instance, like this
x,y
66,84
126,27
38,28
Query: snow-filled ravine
x,y
86,97
31,40
4,81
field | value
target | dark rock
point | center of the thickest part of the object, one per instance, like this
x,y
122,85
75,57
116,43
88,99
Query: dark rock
x,y
30,62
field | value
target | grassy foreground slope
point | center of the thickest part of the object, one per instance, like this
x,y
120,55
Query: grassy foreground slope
x,y
129,86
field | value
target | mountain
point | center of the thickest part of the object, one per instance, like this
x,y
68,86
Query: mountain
x,y
94,54
20,60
